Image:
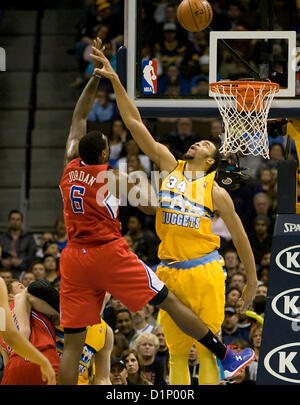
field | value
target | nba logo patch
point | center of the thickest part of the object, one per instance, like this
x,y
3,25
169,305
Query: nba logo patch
x,y
149,77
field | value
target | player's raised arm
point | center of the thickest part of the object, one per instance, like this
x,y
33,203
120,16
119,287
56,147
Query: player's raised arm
x,y
224,206
157,152
83,106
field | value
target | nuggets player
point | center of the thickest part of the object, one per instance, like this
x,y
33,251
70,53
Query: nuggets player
x,y
97,258
191,266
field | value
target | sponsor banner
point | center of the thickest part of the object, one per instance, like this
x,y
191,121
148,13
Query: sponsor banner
x,y
279,359
149,85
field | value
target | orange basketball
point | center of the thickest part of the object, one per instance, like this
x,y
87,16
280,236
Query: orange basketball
x,y
194,15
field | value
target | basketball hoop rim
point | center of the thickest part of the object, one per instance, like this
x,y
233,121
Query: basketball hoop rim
x,y
234,87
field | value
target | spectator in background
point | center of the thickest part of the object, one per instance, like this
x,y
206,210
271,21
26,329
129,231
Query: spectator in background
x,y
139,322
93,18
170,16
124,324
109,313
238,279
231,261
255,341
232,296
50,265
216,130
183,136
170,49
162,351
264,180
7,275
116,140
51,248
172,75
134,367
149,53
201,87
262,290
264,275
134,164
265,260
203,71
144,242
27,278
147,345
276,153
118,372
233,17
230,328
131,148
261,238
129,240
173,89
60,237
18,247
46,237
151,314
38,269
261,205
147,23
120,344
103,108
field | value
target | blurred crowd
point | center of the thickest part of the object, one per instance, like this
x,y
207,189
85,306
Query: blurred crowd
x,y
140,354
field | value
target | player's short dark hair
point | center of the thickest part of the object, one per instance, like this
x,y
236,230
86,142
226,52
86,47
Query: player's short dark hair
x,y
90,147
44,290
217,157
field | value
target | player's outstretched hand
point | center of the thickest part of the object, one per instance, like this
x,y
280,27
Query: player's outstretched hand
x,y
103,67
48,374
248,296
97,44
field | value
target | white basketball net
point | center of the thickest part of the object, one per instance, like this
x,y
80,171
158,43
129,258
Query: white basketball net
x,y
245,116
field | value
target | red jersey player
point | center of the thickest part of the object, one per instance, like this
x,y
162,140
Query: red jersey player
x,y
19,370
97,258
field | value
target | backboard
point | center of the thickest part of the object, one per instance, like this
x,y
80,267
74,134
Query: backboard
x,y
146,29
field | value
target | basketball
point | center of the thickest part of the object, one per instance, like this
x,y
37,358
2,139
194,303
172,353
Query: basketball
x,y
194,15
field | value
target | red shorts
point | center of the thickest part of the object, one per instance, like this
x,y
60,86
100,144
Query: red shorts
x,y
88,272
19,371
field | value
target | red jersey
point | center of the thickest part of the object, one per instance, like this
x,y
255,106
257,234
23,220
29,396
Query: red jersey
x,y
90,210
20,371
42,332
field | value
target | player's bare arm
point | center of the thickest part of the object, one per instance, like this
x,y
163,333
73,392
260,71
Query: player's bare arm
x,y
224,207
23,312
21,345
157,152
24,304
83,106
